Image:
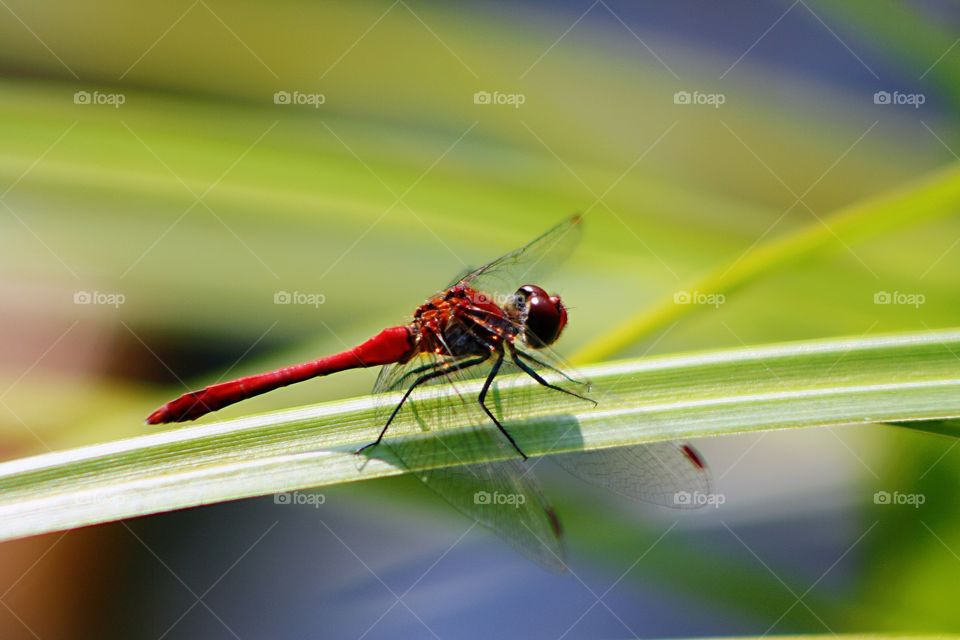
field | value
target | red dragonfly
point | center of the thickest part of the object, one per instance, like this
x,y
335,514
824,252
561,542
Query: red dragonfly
x,y
481,327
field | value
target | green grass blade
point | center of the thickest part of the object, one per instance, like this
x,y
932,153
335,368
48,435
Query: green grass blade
x,y
934,196
865,380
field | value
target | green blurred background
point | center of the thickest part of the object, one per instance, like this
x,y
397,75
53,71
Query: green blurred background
x,y
168,168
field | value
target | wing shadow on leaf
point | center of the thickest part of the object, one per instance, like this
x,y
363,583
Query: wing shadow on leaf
x,y
478,473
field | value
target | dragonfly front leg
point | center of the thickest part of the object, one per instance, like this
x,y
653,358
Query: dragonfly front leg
x,y
540,379
483,396
545,365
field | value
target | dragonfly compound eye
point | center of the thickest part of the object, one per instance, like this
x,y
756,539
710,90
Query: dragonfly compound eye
x,y
545,316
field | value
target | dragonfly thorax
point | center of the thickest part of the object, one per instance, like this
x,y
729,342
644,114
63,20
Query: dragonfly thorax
x,y
461,322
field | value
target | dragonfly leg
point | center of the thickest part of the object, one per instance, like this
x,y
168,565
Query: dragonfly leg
x,y
545,365
483,396
536,376
416,383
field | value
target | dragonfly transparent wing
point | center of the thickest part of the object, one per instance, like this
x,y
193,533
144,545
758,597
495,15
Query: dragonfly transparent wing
x,y
669,474
529,263
501,495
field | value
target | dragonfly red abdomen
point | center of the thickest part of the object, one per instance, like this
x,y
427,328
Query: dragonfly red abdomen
x,y
395,344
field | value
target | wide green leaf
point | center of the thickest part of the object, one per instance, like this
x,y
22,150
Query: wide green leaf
x,y
897,378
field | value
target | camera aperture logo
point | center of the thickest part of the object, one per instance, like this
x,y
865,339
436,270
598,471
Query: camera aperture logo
x,y
699,98
300,298
700,298
99,298
296,498
915,100
499,299
299,99
495,498
99,98
899,298
514,100
698,499
896,498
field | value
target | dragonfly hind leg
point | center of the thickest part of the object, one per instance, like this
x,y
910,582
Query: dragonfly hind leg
x,y
436,373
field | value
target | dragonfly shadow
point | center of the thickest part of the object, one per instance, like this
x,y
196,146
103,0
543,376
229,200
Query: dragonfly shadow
x,y
478,472
477,444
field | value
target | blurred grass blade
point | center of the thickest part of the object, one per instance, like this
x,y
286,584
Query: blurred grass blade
x,y
854,636
949,428
864,380
934,196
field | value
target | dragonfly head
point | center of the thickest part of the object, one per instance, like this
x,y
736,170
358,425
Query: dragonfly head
x,y
543,316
